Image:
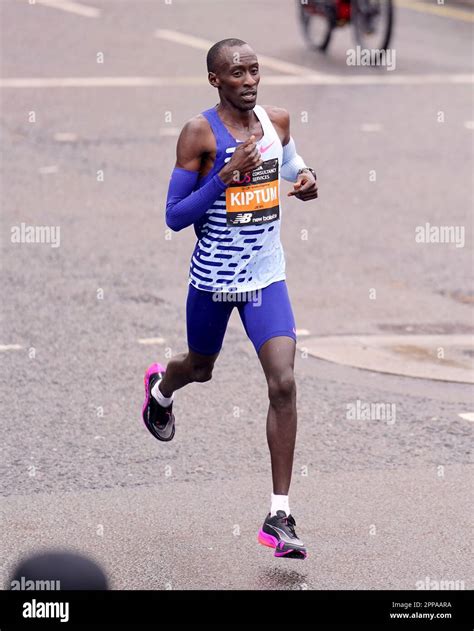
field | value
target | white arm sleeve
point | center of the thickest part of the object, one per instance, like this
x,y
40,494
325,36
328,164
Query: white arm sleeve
x,y
291,162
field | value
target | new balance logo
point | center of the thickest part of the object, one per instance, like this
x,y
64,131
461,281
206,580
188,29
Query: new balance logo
x,y
243,218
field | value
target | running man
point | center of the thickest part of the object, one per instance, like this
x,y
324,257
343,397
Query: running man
x,y
226,183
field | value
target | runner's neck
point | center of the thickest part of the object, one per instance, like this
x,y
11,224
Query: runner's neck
x,y
237,119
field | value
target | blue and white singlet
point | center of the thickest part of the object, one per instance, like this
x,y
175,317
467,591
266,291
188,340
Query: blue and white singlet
x,y
238,246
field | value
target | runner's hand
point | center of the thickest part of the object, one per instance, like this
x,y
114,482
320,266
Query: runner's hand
x,y
244,159
305,187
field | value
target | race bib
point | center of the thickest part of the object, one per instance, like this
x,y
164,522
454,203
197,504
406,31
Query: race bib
x,y
255,200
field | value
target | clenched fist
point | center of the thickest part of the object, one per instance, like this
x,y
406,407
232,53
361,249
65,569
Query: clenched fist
x,y
244,159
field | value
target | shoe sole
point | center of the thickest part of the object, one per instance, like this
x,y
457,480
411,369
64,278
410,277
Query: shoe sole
x,y
281,548
154,368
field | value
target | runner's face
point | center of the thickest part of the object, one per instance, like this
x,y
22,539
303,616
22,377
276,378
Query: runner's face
x,y
238,77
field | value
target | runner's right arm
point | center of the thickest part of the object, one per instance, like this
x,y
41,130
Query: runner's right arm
x,y
184,205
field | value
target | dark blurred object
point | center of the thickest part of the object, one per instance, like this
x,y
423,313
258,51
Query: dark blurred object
x,y
372,21
71,570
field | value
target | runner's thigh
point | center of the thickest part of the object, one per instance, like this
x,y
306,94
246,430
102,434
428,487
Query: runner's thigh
x,y
206,320
268,313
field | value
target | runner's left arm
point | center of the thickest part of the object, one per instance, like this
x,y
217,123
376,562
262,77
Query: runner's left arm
x,y
305,187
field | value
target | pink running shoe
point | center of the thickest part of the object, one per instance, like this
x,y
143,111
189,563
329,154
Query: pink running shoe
x,y
158,420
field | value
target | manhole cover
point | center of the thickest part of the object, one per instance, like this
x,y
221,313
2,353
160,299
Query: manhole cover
x,y
441,357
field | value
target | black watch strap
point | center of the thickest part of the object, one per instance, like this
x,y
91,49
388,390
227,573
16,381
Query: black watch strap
x,y
307,169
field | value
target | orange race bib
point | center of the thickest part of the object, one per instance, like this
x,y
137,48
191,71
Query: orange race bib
x,y
255,200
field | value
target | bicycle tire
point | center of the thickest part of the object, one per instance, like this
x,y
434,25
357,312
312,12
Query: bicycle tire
x,y
388,25
304,20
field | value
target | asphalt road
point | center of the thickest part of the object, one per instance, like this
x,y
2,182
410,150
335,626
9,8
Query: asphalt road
x,y
380,505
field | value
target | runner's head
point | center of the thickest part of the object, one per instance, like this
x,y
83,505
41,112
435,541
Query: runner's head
x,y
233,69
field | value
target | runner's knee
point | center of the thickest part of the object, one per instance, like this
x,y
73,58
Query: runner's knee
x,y
282,389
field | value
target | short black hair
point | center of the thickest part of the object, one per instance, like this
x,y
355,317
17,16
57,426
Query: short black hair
x,y
213,53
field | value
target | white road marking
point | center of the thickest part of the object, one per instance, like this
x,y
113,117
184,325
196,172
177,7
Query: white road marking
x,y
49,169
302,332
151,340
71,7
469,124
205,44
441,10
310,79
10,347
65,137
366,79
371,127
169,131
467,416
101,82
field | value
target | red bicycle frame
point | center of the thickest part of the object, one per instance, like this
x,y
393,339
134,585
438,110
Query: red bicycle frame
x,y
343,10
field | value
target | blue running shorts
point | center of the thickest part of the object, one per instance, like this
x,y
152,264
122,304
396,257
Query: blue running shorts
x,y
265,313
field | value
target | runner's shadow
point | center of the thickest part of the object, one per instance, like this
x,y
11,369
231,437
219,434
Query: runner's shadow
x,y
284,579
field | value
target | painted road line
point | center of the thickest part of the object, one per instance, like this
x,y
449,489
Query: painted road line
x,y
204,44
92,12
467,416
49,169
441,10
102,82
10,347
370,127
366,79
302,332
71,7
151,340
469,124
65,137
169,131
276,80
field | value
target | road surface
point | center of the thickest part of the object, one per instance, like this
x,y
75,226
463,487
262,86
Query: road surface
x,y
93,98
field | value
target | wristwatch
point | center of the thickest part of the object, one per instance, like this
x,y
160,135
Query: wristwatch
x,y
307,169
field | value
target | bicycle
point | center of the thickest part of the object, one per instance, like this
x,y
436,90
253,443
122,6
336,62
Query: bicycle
x,y
372,21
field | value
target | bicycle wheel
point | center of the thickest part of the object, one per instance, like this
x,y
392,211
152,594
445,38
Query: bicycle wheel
x,y
317,22
373,22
